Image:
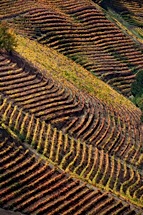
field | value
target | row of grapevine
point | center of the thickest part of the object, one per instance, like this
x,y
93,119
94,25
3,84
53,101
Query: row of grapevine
x,y
91,164
80,116
32,186
16,7
132,13
89,38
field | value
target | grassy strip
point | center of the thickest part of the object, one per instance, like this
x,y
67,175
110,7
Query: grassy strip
x,y
63,69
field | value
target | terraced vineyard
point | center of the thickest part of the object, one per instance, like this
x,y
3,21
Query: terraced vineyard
x,y
71,156
66,146
46,187
131,11
81,31
130,14
74,113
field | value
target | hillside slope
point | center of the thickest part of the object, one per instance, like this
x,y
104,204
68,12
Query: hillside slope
x,y
66,108
81,31
69,143
34,186
94,119
131,13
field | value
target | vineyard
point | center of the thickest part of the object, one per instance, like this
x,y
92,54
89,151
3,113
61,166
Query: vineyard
x,y
71,141
129,14
84,34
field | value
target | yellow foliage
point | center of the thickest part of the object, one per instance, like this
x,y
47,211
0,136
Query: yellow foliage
x,y
50,62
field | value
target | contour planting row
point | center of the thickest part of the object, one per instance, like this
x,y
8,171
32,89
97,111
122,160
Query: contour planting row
x,y
39,16
12,8
88,16
89,38
131,11
85,161
76,44
44,98
32,186
115,130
